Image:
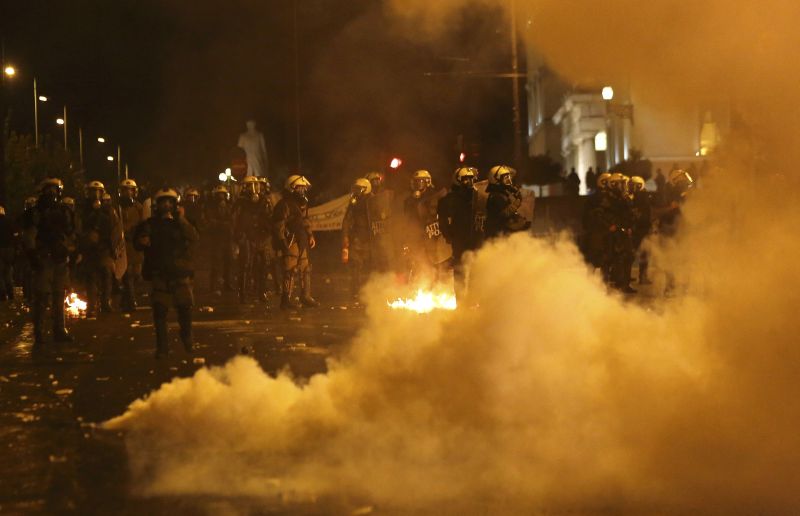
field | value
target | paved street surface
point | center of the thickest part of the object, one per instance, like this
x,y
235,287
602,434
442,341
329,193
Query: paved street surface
x,y
49,403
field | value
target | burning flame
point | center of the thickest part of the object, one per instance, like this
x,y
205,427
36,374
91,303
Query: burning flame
x,y
74,306
425,302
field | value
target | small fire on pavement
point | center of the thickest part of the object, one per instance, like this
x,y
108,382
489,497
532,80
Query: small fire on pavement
x,y
74,306
425,302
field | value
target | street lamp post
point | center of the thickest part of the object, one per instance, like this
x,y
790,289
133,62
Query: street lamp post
x,y
35,115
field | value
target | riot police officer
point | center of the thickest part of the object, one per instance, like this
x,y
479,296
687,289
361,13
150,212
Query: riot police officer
x,y
596,224
219,214
461,220
23,264
249,231
425,249
265,260
357,236
132,214
670,211
97,223
49,232
8,241
294,238
503,204
379,210
642,223
621,229
191,207
167,240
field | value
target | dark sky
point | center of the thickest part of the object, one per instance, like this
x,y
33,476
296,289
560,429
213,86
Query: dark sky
x,y
174,80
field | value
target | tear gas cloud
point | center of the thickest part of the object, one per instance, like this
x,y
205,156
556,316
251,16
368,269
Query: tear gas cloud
x,y
553,395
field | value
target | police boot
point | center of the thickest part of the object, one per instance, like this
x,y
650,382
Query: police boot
x,y
287,300
185,323
243,279
643,279
306,298
60,333
38,309
160,325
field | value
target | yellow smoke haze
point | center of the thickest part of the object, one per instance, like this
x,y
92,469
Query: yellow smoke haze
x,y
554,395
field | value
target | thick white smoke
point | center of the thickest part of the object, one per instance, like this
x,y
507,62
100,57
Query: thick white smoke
x,y
553,395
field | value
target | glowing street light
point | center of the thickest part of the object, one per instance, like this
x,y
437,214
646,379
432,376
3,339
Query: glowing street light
x,y
42,98
228,172
60,121
608,93
222,177
100,139
10,71
110,157
395,163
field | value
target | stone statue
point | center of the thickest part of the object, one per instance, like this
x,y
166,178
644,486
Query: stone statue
x,y
252,141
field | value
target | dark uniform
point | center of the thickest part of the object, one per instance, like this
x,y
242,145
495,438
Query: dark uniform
x,y
219,214
292,236
426,247
251,232
168,243
379,211
357,241
98,225
502,207
597,219
132,213
8,245
622,254
49,240
461,220
642,224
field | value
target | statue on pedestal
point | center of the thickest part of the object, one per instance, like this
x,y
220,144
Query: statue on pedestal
x,y
252,142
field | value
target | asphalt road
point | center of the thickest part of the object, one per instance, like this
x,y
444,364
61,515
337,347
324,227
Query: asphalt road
x,y
55,460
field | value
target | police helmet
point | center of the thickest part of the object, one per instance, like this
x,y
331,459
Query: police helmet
x,y
51,181
165,193
462,173
636,184
68,201
374,176
296,180
619,182
680,178
30,202
191,192
362,186
602,180
497,173
95,185
220,189
2,210
128,183
421,177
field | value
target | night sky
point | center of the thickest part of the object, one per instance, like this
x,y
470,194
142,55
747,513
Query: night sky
x,y
174,81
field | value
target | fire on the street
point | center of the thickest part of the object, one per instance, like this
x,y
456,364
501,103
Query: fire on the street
x,y
74,306
425,302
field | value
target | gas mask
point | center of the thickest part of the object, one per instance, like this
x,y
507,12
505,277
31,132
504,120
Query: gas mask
x,y
300,193
165,207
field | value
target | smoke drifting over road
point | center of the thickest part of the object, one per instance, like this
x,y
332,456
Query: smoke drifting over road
x,y
553,395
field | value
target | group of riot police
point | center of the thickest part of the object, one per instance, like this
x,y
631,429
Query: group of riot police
x,y
436,229
619,216
97,244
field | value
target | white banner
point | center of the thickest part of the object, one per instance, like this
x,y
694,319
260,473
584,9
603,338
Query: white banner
x,y
329,216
